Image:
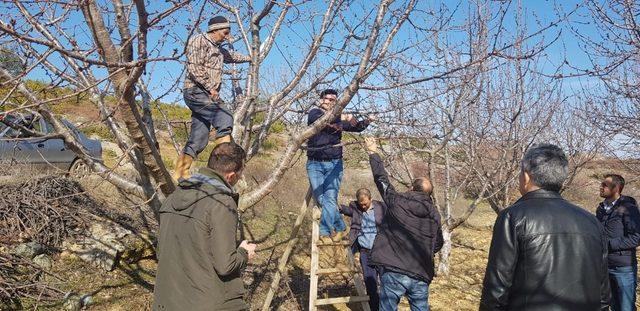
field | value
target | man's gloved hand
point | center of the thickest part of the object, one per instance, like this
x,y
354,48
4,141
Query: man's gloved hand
x,y
349,118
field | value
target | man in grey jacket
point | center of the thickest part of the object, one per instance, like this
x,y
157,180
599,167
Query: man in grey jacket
x,y
200,263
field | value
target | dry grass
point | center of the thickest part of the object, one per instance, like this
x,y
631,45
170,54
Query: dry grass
x,y
130,287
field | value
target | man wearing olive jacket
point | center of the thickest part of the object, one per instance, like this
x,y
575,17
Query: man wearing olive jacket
x,y
199,261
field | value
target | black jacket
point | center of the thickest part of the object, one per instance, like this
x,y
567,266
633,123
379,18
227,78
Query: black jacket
x,y
410,233
622,227
352,210
546,254
325,145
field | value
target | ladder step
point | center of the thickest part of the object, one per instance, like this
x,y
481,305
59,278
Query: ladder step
x,y
337,300
339,243
335,270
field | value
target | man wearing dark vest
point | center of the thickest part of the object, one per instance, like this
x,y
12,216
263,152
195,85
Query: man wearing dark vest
x,y
366,217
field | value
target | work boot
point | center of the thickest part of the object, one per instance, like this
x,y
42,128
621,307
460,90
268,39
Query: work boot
x,y
338,236
222,139
182,167
325,240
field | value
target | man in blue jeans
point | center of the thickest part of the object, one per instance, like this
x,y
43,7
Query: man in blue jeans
x,y
621,221
324,164
205,59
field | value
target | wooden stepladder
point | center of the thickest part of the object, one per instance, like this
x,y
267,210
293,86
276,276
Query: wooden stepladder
x,y
316,271
308,205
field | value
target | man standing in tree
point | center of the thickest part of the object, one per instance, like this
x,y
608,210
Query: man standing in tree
x,y
324,164
205,58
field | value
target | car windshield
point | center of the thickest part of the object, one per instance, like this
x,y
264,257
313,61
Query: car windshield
x,y
70,126
31,122
7,131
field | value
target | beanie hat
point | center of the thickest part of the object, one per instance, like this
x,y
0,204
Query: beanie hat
x,y
218,22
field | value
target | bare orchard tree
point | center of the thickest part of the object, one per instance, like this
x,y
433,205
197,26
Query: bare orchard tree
x,y
472,128
97,50
611,43
341,45
101,49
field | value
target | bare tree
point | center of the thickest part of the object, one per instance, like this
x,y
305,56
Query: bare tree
x,y
611,96
472,127
105,58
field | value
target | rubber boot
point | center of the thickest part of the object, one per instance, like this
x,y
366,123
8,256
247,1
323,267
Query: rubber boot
x,y
182,167
338,236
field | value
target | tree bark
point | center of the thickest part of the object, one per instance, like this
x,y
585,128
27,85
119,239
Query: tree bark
x,y
443,265
126,96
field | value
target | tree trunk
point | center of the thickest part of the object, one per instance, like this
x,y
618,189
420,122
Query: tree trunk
x,y
443,266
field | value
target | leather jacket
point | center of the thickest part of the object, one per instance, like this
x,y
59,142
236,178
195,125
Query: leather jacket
x,y
546,254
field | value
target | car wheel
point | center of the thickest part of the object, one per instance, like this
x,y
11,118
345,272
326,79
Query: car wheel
x,y
79,169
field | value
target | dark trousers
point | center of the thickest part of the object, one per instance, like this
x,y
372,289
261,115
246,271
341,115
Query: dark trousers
x,y
370,278
205,113
623,282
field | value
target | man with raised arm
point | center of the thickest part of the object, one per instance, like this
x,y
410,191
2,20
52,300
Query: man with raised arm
x,y
409,238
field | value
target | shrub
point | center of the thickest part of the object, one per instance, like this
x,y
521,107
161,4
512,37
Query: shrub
x,y
99,130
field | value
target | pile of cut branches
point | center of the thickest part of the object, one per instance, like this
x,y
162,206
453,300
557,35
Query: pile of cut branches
x,y
21,278
46,210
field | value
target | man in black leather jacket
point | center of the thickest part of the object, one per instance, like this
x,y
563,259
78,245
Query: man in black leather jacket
x,y
546,253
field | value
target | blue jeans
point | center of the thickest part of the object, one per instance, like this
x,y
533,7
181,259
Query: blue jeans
x,y
370,279
623,282
204,114
395,285
325,178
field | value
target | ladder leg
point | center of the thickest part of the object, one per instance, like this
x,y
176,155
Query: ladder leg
x,y
284,259
315,235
